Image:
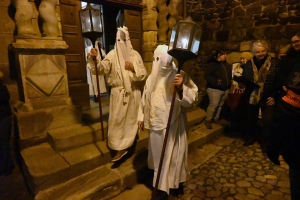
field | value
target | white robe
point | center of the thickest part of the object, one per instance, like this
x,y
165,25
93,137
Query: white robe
x,y
124,103
154,111
92,80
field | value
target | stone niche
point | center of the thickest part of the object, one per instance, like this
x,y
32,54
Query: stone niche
x,y
43,89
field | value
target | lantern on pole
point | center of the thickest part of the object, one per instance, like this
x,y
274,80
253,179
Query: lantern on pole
x,y
92,28
184,45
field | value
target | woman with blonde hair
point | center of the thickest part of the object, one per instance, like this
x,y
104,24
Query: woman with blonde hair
x,y
260,70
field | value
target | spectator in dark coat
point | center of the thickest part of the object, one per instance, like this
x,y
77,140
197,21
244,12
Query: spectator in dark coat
x,y
6,163
285,137
260,71
218,75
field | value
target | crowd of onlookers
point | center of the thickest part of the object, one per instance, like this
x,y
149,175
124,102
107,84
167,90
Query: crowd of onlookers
x,y
263,96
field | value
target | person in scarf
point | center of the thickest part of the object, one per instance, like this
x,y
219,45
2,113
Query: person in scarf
x,y
260,70
285,137
154,113
125,70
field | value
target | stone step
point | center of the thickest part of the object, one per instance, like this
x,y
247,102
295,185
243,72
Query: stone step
x,y
108,180
75,136
50,167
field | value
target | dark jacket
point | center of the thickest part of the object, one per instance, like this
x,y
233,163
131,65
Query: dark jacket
x,y
218,70
269,85
285,137
5,109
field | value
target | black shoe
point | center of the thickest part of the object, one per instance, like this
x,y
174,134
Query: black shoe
x,y
208,124
249,142
161,195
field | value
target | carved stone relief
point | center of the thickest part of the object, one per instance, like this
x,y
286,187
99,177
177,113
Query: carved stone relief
x,y
25,14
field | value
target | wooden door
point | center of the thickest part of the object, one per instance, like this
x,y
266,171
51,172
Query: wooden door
x,y
75,59
132,19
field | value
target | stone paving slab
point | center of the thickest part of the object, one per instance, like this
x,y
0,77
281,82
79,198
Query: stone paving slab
x,y
225,170
238,172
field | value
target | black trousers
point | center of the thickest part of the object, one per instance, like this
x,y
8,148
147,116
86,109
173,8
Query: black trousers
x,y
256,130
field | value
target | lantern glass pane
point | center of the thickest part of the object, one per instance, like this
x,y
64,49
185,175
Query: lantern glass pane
x,y
184,33
172,38
85,21
196,39
96,17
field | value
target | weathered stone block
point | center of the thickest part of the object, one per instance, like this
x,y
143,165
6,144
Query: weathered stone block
x,y
256,17
244,22
255,33
214,25
284,21
206,35
215,16
281,9
263,22
36,123
235,4
239,11
44,167
288,2
233,57
273,32
295,20
224,14
270,8
210,45
230,46
209,4
222,36
229,23
237,35
150,38
291,7
277,44
147,56
208,16
245,46
148,66
283,15
255,8
290,30
275,21
247,2
273,15
221,1
268,2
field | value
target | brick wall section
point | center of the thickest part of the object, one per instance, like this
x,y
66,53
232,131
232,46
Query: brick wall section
x,y
233,24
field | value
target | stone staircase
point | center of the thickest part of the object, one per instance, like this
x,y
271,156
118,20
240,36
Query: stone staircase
x,y
75,163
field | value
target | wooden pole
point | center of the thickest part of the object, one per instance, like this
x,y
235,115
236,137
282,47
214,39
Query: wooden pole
x,y
180,63
98,91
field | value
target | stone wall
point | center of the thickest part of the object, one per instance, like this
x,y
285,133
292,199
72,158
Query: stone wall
x,y
235,24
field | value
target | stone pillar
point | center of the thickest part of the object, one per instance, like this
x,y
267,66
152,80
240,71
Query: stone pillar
x,y
43,89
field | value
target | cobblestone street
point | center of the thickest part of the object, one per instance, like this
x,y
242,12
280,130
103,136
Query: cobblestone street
x,y
238,172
